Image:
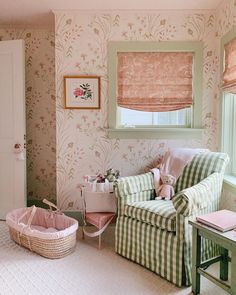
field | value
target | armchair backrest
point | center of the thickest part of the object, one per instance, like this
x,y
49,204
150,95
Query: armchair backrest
x,y
201,166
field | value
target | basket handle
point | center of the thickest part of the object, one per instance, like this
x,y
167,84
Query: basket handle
x,y
50,204
33,211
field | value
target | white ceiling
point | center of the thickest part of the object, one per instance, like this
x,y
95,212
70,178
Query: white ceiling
x,y
38,12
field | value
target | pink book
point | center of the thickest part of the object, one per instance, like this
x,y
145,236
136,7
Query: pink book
x,y
222,220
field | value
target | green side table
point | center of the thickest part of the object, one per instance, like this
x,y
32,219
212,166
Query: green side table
x,y
227,242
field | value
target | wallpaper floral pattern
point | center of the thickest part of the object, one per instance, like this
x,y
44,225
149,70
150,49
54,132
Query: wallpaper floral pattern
x,y
40,109
58,160
83,146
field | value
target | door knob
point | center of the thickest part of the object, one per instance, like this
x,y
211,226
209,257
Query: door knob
x,y
18,148
19,151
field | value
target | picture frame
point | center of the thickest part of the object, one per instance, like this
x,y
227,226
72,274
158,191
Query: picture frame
x,y
82,92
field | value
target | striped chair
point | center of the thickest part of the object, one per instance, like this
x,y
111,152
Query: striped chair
x,y
155,233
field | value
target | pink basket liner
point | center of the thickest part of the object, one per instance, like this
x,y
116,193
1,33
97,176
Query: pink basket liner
x,y
45,224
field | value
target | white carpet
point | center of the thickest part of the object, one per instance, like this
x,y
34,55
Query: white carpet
x,y
86,271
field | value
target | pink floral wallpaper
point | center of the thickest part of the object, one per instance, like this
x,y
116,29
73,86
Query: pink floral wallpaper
x,y
81,48
58,159
64,145
40,109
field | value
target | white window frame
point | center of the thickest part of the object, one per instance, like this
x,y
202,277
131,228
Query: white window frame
x,y
167,132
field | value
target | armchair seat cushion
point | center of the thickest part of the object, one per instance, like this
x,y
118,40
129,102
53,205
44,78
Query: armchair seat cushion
x,y
159,213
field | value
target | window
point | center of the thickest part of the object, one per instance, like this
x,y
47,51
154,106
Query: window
x,y
132,118
173,119
228,66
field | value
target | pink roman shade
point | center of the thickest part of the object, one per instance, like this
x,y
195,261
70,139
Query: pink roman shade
x,y
229,74
155,81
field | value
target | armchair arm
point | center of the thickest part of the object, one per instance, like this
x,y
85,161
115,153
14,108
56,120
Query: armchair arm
x,y
192,200
134,184
134,188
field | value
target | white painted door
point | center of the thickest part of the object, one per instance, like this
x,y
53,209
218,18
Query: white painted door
x,y
12,126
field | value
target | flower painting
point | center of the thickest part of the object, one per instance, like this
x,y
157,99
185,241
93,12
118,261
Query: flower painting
x,y
82,92
78,92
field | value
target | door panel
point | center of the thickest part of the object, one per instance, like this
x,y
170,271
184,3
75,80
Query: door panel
x,y
12,126
6,110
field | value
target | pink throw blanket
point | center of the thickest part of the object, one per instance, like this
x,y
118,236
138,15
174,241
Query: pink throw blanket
x,y
173,163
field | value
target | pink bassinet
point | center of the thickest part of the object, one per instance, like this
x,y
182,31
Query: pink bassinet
x,y
49,233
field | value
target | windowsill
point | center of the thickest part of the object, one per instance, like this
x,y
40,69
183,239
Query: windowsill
x,y
156,133
230,183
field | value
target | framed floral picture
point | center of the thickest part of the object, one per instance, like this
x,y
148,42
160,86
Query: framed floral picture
x,y
82,92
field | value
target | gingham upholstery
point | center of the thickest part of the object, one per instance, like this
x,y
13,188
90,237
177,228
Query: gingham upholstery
x,y
159,213
146,241
200,167
134,188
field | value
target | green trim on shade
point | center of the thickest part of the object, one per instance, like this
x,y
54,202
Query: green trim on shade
x,y
155,133
137,46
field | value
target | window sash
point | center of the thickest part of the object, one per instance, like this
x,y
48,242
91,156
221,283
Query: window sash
x,y
152,118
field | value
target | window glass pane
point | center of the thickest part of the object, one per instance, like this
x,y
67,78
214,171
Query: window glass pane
x,y
131,117
161,118
138,118
171,118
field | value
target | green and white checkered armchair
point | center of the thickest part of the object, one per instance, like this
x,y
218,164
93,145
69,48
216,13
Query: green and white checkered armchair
x,y
156,233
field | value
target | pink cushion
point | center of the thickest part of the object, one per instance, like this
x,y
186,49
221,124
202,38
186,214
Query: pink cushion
x,y
98,219
176,159
173,164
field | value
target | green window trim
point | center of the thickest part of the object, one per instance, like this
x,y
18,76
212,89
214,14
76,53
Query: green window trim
x,y
155,133
195,131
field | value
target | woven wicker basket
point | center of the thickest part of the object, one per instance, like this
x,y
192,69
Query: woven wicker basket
x,y
52,247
